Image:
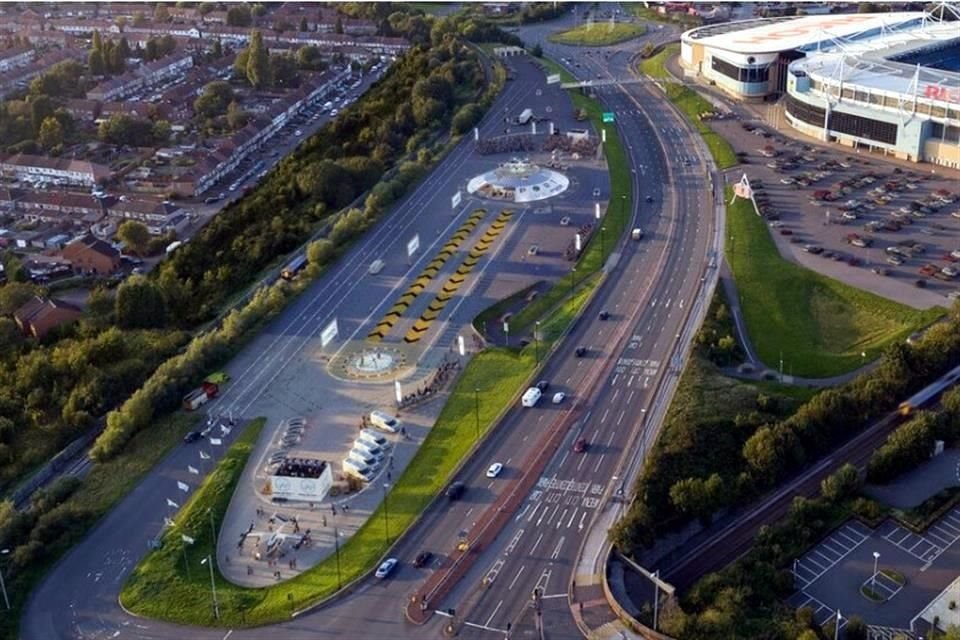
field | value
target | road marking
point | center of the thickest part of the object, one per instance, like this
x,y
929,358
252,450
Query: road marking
x,y
630,382
543,580
614,381
603,418
533,513
553,596
228,634
556,551
516,577
630,397
513,543
564,458
599,462
572,516
681,303
616,392
468,511
646,382
523,511
560,519
582,518
536,544
620,419
497,608
555,509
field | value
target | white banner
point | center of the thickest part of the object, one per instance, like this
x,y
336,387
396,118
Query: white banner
x,y
204,456
187,539
172,504
596,210
398,390
183,486
216,441
455,200
193,470
553,78
306,489
506,327
576,242
329,333
413,244
461,346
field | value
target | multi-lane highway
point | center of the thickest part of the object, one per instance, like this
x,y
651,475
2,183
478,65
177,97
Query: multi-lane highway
x,y
652,290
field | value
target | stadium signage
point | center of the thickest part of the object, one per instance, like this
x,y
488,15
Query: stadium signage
x,y
946,94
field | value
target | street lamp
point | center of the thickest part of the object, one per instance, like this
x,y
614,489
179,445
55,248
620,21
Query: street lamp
x,y
836,627
386,509
213,587
476,409
573,281
536,341
3,585
336,544
603,230
873,578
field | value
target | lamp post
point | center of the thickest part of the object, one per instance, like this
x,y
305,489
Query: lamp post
x,y
213,587
3,585
603,230
536,341
573,281
836,627
873,578
476,409
386,509
336,544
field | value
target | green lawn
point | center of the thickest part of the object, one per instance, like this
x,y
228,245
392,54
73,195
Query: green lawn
x,y
820,325
615,220
598,34
691,104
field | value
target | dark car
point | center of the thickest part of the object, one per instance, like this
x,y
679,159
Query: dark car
x,y
455,490
920,284
604,315
422,559
543,385
649,198
193,436
580,445
580,351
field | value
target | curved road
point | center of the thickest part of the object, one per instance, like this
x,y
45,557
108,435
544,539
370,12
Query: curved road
x,y
650,291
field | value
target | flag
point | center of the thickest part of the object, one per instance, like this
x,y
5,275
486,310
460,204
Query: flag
x,y
187,539
193,470
204,456
167,522
171,503
183,486
216,441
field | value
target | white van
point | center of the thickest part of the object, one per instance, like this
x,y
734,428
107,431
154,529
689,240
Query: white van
x,y
372,449
364,457
376,267
637,233
531,397
384,421
356,469
371,436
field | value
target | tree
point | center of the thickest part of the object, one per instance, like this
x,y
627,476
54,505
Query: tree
x,y
537,51
303,24
319,252
309,57
161,13
236,117
122,129
41,108
283,71
841,484
338,26
14,269
14,295
135,235
96,63
856,629
10,339
217,49
140,304
214,99
258,62
239,16
51,133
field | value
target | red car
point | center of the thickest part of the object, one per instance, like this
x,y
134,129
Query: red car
x,y
580,445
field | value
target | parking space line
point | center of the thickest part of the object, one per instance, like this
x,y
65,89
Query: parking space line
x,y
830,562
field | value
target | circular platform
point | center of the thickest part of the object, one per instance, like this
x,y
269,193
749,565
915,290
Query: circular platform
x,y
518,181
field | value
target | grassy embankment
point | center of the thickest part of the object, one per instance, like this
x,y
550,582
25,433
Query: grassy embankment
x,y
598,34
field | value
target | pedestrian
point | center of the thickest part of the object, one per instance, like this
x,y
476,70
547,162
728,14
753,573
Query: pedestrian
x,y
389,478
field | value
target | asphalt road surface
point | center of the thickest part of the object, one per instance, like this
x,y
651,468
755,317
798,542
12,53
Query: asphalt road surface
x,y
649,292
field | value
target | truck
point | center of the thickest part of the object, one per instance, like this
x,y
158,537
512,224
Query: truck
x,y
525,116
199,397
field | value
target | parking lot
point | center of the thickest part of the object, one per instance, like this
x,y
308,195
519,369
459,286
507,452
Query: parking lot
x,y
830,576
889,228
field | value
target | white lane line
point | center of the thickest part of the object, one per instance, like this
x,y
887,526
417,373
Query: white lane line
x,y
228,634
536,544
603,418
630,381
526,507
583,517
646,382
516,577
582,460
599,462
556,551
630,397
572,516
553,513
613,398
497,608
534,512
564,458
620,418
468,511
614,381
514,542
560,519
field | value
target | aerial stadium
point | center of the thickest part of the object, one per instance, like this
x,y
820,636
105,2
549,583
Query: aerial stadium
x,y
886,82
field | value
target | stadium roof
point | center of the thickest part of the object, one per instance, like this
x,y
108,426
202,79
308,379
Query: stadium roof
x,y
779,34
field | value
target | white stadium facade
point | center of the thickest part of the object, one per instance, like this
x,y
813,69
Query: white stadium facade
x,y
887,82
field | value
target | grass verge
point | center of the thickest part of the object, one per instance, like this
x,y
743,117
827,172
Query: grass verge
x,y
615,220
870,594
171,578
819,325
691,103
894,575
598,34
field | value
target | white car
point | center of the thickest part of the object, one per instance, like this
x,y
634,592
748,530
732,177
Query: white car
x,y
494,470
386,568
558,397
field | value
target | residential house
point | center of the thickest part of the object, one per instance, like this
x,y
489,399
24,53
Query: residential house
x,y
53,206
91,255
82,110
78,172
16,57
157,215
39,316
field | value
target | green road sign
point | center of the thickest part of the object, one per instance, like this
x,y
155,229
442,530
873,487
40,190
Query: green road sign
x,y
607,117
